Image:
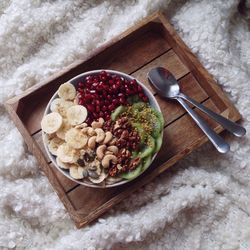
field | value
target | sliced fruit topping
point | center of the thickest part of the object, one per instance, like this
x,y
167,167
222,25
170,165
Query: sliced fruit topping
x,y
67,154
146,162
76,114
51,122
158,142
148,149
118,111
76,138
67,91
132,174
53,145
159,116
60,106
62,164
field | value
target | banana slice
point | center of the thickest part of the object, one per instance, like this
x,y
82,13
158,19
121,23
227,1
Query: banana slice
x,y
74,173
60,106
67,91
67,154
75,138
54,144
76,114
63,129
100,178
51,122
62,164
111,180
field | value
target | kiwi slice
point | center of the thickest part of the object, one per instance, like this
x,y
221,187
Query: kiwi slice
x,y
138,106
155,123
146,162
159,116
158,142
132,174
134,154
149,148
116,113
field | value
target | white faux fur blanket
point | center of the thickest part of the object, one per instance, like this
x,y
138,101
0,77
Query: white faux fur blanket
x,y
203,203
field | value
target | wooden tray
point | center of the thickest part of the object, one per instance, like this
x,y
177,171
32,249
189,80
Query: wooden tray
x,y
152,42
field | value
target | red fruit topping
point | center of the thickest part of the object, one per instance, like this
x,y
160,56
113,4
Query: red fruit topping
x,y
103,92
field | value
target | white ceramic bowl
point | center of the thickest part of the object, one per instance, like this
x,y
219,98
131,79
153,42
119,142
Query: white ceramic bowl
x,y
74,81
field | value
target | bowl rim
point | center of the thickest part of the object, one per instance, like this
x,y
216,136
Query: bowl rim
x,y
85,74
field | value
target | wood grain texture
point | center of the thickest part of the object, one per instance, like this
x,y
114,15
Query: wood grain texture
x,y
148,45
152,42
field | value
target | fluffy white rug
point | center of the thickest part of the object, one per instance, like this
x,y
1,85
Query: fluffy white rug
x,y
203,203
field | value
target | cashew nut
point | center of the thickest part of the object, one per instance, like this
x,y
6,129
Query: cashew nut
x,y
83,125
107,159
97,124
100,151
108,137
84,130
100,135
113,141
91,131
92,142
107,152
113,149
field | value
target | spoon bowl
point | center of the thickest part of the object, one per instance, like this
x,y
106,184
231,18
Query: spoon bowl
x,y
164,82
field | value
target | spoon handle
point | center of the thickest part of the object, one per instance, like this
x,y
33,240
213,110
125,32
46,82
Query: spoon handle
x,y
232,127
217,141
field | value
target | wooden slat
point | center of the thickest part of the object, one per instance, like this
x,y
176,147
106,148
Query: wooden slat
x,y
169,60
150,45
39,140
66,183
176,140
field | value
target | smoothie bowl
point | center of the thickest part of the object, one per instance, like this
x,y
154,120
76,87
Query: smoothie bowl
x,y
103,128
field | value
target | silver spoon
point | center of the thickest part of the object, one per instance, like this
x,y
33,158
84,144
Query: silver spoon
x,y
232,127
166,85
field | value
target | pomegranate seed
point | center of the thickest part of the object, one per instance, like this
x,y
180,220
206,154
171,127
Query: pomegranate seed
x,y
90,108
115,102
97,108
107,117
111,107
103,92
139,88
